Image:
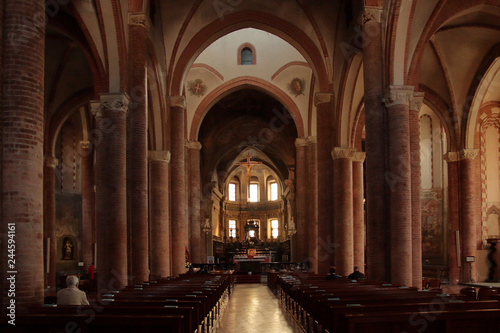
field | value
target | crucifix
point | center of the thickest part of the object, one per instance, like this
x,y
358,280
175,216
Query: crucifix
x,y
248,164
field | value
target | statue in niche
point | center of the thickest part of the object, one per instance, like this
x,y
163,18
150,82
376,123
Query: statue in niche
x,y
67,249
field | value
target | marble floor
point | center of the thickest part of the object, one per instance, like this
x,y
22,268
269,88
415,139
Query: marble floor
x,y
254,308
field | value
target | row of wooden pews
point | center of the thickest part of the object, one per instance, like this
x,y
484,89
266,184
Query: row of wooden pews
x,y
361,306
185,304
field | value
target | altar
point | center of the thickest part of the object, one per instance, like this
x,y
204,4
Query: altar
x,y
250,262
249,265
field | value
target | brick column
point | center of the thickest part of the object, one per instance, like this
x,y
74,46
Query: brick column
x,y
342,206
160,246
22,142
49,221
312,203
179,195
470,205
111,197
375,124
398,104
324,110
300,199
358,210
137,164
88,208
452,159
194,186
416,215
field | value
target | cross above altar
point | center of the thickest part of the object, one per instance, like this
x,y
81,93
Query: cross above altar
x,y
248,164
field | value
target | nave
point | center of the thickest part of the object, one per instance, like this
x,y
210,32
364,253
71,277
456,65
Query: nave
x,y
254,308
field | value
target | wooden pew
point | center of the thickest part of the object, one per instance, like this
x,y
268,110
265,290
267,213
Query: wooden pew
x,y
470,321
333,323
189,323
65,323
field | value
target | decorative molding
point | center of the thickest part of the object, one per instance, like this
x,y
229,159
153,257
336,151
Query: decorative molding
x,y
322,98
417,101
197,87
312,140
301,142
159,155
338,153
96,108
451,156
193,145
140,19
372,13
51,162
85,144
178,101
297,86
468,154
115,102
398,95
359,157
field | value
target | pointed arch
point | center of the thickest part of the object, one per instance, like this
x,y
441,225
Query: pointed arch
x,y
241,83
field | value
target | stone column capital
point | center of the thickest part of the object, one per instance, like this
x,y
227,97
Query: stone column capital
x,y
359,157
398,95
178,101
109,101
51,162
139,19
322,98
159,155
312,140
451,156
301,142
115,101
96,108
417,101
372,14
85,144
468,154
193,145
338,153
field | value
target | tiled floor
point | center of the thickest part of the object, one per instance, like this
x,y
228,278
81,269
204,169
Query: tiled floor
x,y
254,308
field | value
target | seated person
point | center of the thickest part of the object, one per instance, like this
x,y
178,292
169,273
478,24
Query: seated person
x,y
356,274
332,275
71,295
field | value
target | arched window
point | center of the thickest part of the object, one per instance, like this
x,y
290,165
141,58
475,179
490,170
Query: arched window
x,y
246,56
272,191
233,190
253,192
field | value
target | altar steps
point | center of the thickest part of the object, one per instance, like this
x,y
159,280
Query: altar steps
x,y
245,278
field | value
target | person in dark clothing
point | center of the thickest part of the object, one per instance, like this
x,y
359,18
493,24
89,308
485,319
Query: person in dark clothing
x,y
356,274
332,275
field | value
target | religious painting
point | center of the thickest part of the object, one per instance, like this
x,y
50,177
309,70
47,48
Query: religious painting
x,y
297,86
432,226
197,87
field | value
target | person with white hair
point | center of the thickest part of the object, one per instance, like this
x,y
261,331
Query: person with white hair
x,y
71,295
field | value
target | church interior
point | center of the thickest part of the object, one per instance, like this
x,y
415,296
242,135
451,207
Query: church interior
x,y
147,138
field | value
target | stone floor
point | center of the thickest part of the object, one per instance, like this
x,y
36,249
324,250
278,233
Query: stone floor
x,y
254,308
